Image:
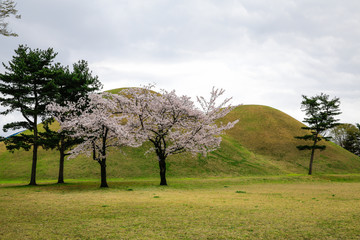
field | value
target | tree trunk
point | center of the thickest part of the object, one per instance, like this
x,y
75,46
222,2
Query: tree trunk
x,y
311,160
61,166
62,160
35,150
162,166
312,156
33,167
35,146
103,173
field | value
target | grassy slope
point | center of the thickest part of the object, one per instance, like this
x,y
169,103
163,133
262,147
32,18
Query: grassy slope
x,y
262,143
269,133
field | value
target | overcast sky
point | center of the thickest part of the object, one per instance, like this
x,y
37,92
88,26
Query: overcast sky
x,y
266,52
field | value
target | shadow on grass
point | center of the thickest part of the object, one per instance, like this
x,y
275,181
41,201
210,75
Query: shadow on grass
x,y
79,185
85,185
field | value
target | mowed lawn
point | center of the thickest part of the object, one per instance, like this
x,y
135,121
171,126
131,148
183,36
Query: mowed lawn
x,y
225,208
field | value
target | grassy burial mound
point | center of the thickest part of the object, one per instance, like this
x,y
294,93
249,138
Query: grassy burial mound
x,y
268,134
262,143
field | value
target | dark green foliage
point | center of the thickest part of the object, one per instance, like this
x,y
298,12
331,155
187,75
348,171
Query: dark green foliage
x,y
352,139
308,147
19,141
320,112
27,86
348,137
70,86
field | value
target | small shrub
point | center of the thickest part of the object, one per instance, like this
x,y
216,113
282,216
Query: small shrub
x,y
240,192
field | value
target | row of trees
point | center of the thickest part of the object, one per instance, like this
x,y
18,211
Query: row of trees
x,y
92,122
170,122
32,81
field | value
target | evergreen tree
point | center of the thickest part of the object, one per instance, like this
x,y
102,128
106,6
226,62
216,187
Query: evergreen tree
x,y
70,87
320,112
28,86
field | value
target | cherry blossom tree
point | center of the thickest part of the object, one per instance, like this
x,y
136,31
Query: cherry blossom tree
x,y
93,120
173,124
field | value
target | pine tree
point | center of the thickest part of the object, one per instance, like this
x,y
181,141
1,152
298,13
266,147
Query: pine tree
x,y
28,86
320,112
70,87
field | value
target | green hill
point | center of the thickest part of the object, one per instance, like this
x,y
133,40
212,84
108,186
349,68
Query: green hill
x,y
262,143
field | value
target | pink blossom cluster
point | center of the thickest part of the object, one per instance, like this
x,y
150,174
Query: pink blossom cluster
x,y
92,119
174,124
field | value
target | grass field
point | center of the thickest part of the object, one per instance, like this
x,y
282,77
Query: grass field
x,y
279,207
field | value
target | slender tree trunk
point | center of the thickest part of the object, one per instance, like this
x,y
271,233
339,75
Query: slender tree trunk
x,y
35,146
312,157
62,160
33,167
61,166
35,150
103,173
103,161
162,166
311,161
